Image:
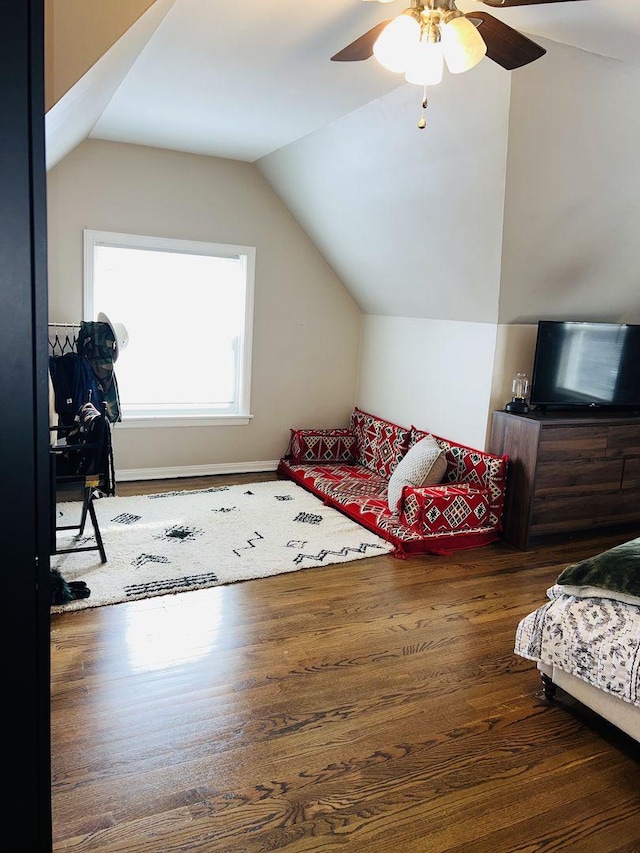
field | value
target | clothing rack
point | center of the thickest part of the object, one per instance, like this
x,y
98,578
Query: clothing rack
x,y
81,359
81,455
60,344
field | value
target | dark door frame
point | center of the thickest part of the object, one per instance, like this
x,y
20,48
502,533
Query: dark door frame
x,y
24,473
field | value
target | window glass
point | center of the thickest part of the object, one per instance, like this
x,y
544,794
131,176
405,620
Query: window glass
x,y
187,310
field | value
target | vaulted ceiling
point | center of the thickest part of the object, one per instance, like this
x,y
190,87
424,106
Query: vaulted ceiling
x,y
412,221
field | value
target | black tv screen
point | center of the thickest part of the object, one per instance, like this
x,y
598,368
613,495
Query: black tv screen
x,y
586,364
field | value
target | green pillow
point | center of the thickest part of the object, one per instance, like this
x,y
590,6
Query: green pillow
x,y
616,570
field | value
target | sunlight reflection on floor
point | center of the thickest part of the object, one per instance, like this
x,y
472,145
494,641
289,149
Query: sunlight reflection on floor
x,y
162,637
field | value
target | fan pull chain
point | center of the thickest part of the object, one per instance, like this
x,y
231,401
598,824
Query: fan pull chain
x,y
423,121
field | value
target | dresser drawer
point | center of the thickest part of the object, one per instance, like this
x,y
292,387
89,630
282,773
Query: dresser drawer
x,y
631,475
623,440
621,507
562,444
580,476
555,514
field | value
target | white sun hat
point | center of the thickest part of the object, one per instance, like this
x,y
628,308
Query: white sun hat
x,y
119,332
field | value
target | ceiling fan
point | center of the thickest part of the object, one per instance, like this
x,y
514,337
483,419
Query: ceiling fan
x,y
428,34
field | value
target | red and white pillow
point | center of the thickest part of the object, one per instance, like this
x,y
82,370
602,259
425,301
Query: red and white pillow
x,y
380,443
322,445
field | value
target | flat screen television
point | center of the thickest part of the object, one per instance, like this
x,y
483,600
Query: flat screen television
x,y
594,365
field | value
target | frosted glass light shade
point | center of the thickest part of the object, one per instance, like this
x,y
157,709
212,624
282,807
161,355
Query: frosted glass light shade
x,y
425,64
393,46
462,44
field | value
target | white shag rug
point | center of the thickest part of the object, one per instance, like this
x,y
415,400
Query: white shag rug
x,y
178,541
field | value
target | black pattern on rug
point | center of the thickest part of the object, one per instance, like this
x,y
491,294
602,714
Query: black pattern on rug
x,y
170,584
143,559
126,518
343,552
250,544
190,492
179,533
308,518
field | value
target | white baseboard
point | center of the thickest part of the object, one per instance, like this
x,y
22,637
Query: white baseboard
x,y
127,474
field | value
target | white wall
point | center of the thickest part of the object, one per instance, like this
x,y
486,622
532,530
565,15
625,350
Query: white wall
x,y
306,326
435,374
410,220
571,249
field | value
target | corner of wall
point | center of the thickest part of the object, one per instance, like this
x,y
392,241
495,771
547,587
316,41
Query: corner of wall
x,y
515,348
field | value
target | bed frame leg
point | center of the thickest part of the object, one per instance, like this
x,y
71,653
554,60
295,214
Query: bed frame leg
x,y
548,687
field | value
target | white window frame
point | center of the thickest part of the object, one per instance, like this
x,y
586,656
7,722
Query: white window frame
x,y
242,417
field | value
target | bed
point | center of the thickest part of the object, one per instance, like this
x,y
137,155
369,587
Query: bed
x,y
586,638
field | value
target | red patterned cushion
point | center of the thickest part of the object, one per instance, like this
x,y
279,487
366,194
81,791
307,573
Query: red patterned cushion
x,y
444,509
322,445
474,467
361,494
380,443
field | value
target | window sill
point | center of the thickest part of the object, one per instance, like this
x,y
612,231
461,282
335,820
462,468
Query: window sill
x,y
150,421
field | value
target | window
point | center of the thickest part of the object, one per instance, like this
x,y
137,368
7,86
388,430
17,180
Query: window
x,y
188,310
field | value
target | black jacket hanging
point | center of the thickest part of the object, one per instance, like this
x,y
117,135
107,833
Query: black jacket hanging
x,y
74,384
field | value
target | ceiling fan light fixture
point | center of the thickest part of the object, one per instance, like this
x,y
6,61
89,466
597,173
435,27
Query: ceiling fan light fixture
x,y
432,33
426,62
396,42
463,46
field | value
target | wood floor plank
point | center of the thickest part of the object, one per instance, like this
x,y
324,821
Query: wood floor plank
x,y
360,706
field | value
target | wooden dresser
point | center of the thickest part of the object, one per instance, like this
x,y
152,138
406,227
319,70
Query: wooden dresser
x,y
567,472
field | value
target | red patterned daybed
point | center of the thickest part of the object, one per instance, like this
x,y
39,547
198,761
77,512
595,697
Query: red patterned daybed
x,y
350,470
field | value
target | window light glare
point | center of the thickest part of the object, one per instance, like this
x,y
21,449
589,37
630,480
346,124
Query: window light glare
x,y
395,42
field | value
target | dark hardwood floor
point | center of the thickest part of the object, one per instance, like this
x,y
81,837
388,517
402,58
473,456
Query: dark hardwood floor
x,y
363,707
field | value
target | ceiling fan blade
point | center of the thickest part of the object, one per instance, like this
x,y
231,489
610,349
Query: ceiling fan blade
x,y
506,46
361,48
505,4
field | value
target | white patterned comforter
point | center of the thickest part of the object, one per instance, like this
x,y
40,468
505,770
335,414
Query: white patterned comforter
x,y
595,639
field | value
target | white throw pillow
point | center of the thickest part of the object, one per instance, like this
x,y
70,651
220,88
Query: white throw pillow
x,y
597,592
424,464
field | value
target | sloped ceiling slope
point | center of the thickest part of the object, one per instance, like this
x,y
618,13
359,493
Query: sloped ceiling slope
x,y
241,80
410,220
96,26
70,119
238,80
